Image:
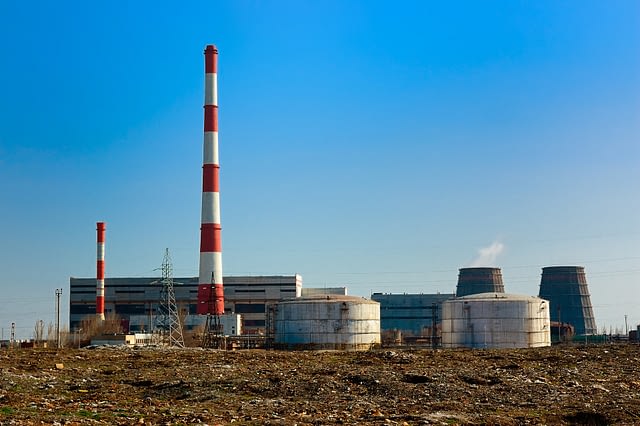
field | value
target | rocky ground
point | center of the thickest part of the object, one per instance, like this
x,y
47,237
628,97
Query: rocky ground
x,y
559,385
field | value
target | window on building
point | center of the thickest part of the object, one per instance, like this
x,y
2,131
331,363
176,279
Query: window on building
x,y
82,309
131,309
250,308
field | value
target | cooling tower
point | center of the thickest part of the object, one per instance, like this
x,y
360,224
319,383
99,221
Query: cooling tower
x,y
565,287
479,280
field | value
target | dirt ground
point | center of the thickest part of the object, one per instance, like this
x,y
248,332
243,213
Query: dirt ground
x,y
560,385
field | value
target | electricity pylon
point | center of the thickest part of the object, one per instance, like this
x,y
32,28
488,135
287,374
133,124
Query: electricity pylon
x,y
168,319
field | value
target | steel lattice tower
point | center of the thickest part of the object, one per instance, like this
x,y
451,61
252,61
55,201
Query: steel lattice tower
x,y
213,336
168,321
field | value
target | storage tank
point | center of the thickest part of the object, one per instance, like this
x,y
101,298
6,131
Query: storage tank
x,y
565,287
479,280
327,322
496,320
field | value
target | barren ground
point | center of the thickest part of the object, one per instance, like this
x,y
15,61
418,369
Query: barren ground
x,y
560,385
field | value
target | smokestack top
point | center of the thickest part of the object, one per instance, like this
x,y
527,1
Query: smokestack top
x,y
211,59
101,227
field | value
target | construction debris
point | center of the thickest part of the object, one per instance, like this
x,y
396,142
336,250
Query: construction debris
x,y
118,385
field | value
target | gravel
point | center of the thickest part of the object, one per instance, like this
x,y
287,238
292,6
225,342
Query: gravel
x,y
592,385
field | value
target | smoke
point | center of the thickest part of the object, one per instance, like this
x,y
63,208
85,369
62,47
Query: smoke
x,y
487,255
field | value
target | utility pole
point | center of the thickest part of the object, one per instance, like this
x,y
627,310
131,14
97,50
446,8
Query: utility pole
x,y
58,294
434,323
13,335
559,327
626,328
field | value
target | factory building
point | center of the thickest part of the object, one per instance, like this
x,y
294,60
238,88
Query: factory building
x,y
136,300
413,314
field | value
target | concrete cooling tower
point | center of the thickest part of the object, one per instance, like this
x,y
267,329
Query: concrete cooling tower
x,y
565,287
479,280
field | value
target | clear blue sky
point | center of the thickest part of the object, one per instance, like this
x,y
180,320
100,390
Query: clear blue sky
x,y
377,145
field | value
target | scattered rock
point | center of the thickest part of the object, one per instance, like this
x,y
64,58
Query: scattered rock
x,y
110,385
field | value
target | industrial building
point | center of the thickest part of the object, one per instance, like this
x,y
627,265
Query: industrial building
x,y
136,300
412,314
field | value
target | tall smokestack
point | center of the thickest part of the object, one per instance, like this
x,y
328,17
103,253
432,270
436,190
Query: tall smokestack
x,y
100,272
210,291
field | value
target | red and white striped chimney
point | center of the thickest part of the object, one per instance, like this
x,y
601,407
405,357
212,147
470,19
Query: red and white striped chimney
x,y
100,273
210,291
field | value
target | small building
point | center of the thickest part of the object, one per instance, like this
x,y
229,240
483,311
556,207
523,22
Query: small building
x,y
114,339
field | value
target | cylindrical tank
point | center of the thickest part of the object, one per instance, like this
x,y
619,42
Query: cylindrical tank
x,y
495,320
479,280
565,287
327,322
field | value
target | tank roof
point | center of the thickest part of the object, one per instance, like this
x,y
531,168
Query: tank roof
x,y
324,298
493,296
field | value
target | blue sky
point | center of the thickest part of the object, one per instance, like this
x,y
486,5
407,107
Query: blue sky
x,y
377,145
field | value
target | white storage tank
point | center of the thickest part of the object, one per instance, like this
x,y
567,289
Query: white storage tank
x,y
327,322
496,320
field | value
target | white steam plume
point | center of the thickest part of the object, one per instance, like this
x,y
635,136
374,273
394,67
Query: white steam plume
x,y
487,255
